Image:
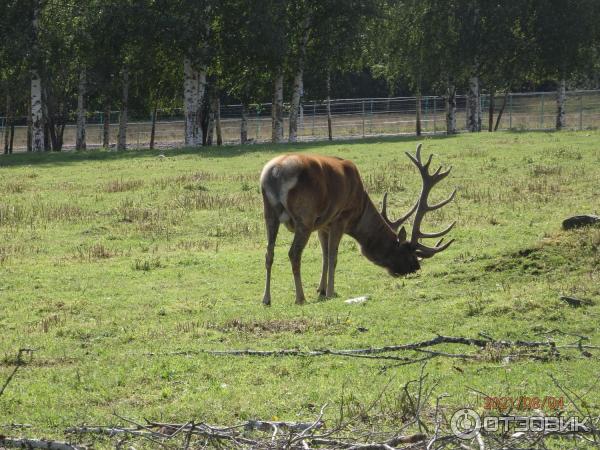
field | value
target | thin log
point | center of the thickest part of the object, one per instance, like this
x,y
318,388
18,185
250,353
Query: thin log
x,y
376,352
6,442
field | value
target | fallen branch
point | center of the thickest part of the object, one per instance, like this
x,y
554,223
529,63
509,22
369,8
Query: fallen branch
x,y
422,347
6,442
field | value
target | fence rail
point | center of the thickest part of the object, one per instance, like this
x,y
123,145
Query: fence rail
x,y
351,118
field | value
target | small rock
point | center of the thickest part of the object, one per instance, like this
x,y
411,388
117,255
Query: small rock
x,y
580,221
357,300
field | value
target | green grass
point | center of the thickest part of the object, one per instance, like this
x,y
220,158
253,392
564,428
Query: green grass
x,y
106,257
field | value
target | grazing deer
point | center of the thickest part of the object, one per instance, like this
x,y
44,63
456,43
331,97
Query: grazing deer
x,y
308,193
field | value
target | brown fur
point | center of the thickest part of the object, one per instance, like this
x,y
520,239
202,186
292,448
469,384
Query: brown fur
x,y
318,193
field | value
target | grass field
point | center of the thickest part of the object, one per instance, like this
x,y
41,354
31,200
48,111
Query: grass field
x,y
106,257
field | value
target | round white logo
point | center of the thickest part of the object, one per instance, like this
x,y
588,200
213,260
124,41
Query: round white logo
x,y
465,423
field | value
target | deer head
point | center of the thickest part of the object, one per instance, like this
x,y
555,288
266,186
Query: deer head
x,y
404,256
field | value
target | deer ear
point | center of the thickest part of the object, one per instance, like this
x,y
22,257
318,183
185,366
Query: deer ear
x,y
402,234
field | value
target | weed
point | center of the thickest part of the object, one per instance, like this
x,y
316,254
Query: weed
x,y
147,264
123,185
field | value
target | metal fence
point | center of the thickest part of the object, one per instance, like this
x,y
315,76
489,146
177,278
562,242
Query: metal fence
x,y
351,118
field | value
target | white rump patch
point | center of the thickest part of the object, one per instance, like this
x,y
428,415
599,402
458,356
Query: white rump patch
x,y
285,169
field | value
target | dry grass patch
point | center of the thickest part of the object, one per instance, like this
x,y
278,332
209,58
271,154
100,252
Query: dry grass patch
x,y
276,326
122,185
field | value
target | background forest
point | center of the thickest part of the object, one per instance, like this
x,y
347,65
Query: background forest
x,y
61,59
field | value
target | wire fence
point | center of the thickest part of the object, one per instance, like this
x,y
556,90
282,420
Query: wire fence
x,y
351,119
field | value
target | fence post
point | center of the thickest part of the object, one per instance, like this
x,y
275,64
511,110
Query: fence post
x,y
363,119
257,123
314,115
581,112
510,107
542,113
371,121
434,114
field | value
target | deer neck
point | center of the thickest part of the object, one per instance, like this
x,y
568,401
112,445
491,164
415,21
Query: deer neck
x,y
377,240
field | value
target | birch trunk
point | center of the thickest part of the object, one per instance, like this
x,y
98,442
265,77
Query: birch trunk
x,y
418,114
122,139
295,106
37,115
329,127
106,127
451,110
277,109
153,128
298,84
80,143
244,125
561,98
194,85
474,110
190,104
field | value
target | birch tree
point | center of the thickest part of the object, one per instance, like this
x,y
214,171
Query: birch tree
x,y
299,57
37,125
186,33
194,86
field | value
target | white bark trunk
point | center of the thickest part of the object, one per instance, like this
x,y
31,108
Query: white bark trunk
x,y
80,142
194,85
37,114
298,83
295,106
451,110
122,139
244,125
474,106
561,98
277,109
190,94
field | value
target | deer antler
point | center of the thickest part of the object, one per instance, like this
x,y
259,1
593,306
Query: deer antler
x,y
395,225
429,181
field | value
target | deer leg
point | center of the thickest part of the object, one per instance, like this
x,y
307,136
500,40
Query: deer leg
x,y
272,223
301,236
335,236
324,239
